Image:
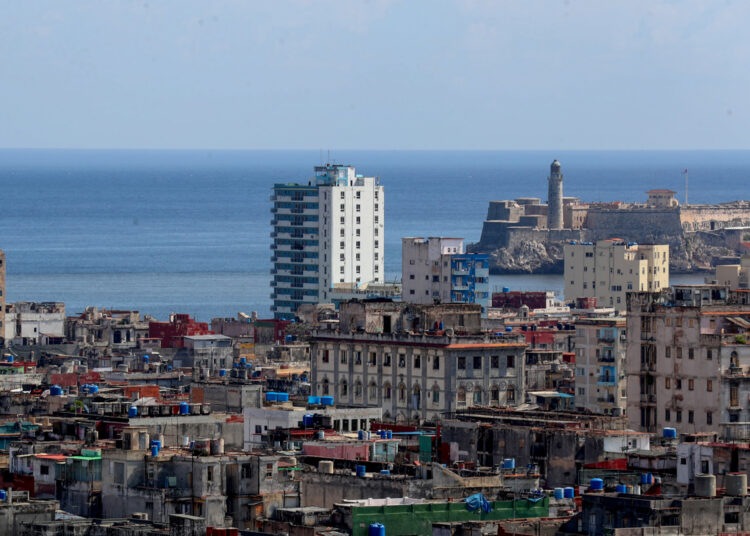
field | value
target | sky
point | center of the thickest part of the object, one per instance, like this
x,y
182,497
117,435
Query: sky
x,y
329,74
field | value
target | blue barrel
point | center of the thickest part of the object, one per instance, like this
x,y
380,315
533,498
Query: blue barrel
x,y
506,289
184,408
389,434
271,397
644,478
622,488
361,435
650,478
670,432
508,329
307,420
94,389
156,443
559,493
509,463
10,359
569,493
132,411
313,400
222,372
326,400
3,495
596,484
361,470
55,390
154,450
145,358
376,529
243,360
385,472
169,368
282,397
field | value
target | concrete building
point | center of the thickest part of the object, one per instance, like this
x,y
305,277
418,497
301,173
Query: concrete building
x,y
687,359
391,356
734,276
600,379
555,196
610,268
326,232
436,269
28,323
662,199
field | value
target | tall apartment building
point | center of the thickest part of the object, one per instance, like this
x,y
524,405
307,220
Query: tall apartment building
x,y
687,360
600,378
436,269
386,355
2,295
328,232
610,268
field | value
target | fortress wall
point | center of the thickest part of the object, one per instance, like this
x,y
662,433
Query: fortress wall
x,y
712,217
638,225
503,210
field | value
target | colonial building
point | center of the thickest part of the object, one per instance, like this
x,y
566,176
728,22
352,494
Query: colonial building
x,y
416,362
610,268
686,359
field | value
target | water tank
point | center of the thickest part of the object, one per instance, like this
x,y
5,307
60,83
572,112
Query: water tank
x,y
508,329
3,495
202,447
326,400
9,359
154,450
361,470
376,529
559,493
644,478
325,466
222,372
597,484
320,434
361,435
670,433
156,443
282,397
313,400
217,447
132,411
383,434
55,390
622,488
736,484
569,493
271,397
506,289
385,472
243,360
145,358
307,420
389,434
705,485
184,408
509,463
169,368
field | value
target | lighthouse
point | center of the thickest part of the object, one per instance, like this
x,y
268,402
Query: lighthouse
x,y
555,197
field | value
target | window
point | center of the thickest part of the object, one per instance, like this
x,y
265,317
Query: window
x,y
436,362
495,394
247,470
343,357
477,362
668,321
477,395
269,471
709,354
373,359
357,357
667,383
325,356
417,361
510,394
679,352
667,415
258,429
709,385
709,417
342,195
357,244
461,363
691,416
668,351
342,207
344,388
510,361
691,384
679,321
401,393
461,396
495,361
679,416
387,391
387,360
435,394
401,360
678,383
581,391
691,353
358,388
209,474
44,469
325,386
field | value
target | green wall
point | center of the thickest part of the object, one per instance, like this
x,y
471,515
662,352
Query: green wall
x,y
417,519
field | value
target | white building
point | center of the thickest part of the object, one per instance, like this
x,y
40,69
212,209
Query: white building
x,y
610,268
328,232
28,323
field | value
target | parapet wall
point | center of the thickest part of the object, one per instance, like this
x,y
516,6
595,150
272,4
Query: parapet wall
x,y
637,225
713,217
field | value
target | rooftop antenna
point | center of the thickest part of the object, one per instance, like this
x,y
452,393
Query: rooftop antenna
x,y
329,157
686,186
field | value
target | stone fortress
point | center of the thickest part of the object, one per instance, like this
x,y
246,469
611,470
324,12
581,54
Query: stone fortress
x,y
525,235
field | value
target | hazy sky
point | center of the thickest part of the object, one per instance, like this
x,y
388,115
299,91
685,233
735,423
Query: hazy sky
x,y
375,75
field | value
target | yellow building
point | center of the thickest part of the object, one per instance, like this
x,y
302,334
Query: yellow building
x,y
610,268
734,276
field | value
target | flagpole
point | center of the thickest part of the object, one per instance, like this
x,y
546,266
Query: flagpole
x,y
686,187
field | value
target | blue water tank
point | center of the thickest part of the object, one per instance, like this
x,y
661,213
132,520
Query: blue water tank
x,y
670,433
169,368
313,400
3,495
271,397
326,400
569,493
506,289
385,472
509,463
644,478
155,443
622,488
508,328
154,450
282,397
10,359
596,484
307,420
524,327
55,390
243,360
559,493
184,408
145,358
376,529
389,434
132,411
361,435
361,470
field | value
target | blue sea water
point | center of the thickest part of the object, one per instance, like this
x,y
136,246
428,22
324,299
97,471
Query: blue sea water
x,y
188,231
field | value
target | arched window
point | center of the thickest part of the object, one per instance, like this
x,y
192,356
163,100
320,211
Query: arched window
x,y
461,396
435,394
416,397
344,388
477,395
325,386
495,395
402,392
510,395
373,391
734,360
358,388
387,391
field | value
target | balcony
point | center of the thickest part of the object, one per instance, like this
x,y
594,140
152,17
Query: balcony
x,y
274,210
606,359
274,283
273,245
606,340
648,399
607,380
645,336
273,197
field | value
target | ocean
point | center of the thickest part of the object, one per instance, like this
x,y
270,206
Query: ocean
x,y
188,231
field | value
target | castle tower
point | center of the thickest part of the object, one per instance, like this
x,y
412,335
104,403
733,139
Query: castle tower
x,y
555,197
